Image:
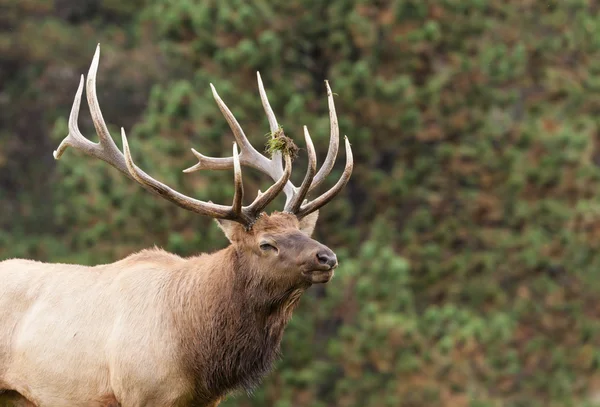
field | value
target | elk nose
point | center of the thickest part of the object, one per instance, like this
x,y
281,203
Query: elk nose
x,y
327,257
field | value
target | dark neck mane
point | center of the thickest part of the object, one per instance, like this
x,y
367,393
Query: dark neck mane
x,y
229,322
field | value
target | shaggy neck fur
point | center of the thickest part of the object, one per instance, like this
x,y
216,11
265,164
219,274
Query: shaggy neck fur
x,y
229,315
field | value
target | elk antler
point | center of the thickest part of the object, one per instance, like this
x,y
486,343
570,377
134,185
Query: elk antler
x,y
273,167
107,150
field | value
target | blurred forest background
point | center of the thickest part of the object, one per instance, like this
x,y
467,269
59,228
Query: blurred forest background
x,y
468,236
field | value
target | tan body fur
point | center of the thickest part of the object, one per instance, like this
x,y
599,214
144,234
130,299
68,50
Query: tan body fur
x,y
88,329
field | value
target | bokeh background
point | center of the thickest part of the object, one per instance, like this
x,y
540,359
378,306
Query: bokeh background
x,y
468,235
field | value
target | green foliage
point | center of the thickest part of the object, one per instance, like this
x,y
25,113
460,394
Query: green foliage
x,y
468,236
277,141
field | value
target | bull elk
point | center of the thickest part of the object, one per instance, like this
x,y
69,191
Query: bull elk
x,y
156,329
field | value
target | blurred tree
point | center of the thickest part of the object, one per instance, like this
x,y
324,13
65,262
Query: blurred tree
x,y
468,236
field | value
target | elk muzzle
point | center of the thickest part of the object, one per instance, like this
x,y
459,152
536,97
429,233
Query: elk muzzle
x,y
322,266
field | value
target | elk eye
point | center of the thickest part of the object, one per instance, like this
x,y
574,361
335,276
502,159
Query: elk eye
x,y
267,246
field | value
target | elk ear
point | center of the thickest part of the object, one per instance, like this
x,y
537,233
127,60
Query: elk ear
x,y
230,228
308,223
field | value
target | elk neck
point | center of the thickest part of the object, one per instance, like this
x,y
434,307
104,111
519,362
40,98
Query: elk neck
x,y
225,310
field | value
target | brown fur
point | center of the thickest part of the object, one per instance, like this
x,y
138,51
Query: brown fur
x,y
221,317
248,312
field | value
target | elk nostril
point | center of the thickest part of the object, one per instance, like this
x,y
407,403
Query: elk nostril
x,y
327,258
322,258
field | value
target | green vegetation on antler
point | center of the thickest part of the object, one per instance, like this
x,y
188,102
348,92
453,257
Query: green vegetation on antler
x,y
278,141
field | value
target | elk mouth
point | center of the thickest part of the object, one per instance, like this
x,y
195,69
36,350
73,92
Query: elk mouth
x,y
321,275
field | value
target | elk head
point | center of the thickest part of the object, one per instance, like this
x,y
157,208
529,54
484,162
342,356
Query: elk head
x,y
279,248
280,242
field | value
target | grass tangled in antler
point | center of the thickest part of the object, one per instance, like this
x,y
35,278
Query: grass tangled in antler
x,y
278,141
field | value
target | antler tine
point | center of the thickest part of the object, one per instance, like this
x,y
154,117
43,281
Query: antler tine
x,y
334,142
101,129
106,148
212,163
329,195
238,196
294,205
74,137
273,125
238,132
